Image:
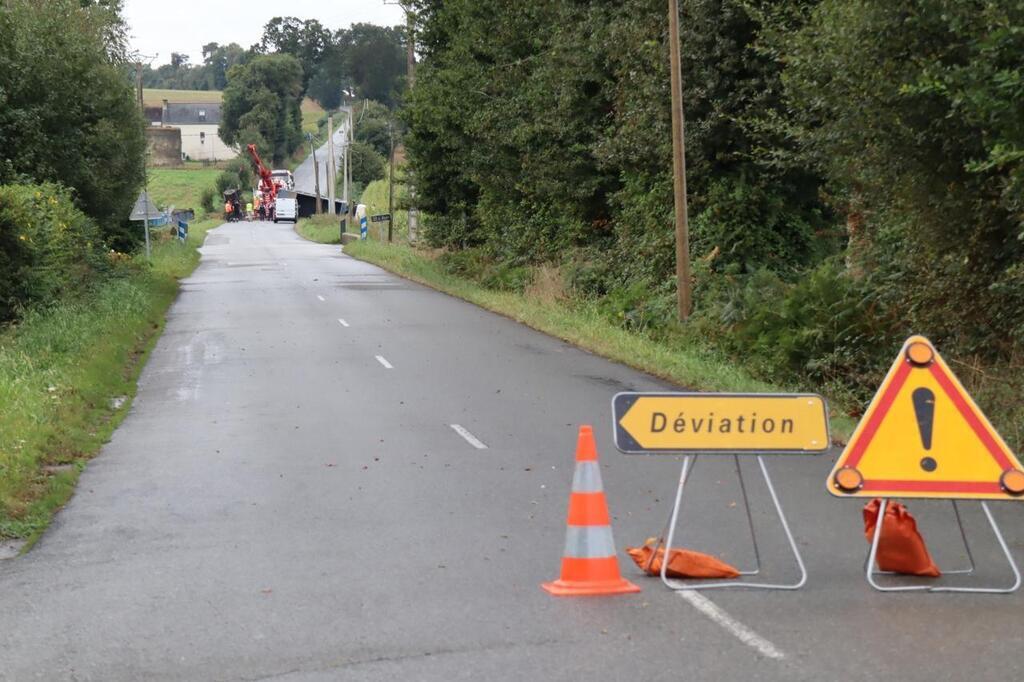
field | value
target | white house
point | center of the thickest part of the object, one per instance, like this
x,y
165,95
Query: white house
x,y
198,123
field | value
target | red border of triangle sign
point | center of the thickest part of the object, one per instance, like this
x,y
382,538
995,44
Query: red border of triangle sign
x,y
923,436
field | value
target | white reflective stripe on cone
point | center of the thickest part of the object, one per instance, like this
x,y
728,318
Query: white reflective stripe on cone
x,y
589,542
587,478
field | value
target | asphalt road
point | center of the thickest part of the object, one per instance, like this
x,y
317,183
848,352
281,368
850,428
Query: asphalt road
x,y
304,175
288,500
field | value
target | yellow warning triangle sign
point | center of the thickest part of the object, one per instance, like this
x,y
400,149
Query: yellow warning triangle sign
x,y
923,436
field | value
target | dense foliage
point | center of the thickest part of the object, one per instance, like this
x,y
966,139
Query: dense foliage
x,y
212,74
262,106
367,164
67,112
48,248
854,166
376,126
914,111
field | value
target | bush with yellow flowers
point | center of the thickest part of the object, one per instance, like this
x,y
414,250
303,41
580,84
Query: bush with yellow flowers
x,y
48,248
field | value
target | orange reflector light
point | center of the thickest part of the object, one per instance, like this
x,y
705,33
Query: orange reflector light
x,y
1012,481
848,480
920,354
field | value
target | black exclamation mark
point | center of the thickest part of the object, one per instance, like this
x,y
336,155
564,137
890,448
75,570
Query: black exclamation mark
x,y
924,410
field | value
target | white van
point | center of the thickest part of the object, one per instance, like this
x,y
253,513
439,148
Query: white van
x,y
286,208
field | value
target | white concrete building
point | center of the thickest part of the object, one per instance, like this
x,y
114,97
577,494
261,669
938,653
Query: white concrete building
x,y
198,123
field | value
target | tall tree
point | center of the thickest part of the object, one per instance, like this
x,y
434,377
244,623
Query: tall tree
x,y
262,104
67,112
217,61
306,40
374,58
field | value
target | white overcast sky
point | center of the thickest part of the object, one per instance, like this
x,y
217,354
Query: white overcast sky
x,y
160,27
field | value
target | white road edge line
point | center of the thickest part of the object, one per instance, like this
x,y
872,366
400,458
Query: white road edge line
x,y
470,438
731,625
321,297
342,322
381,360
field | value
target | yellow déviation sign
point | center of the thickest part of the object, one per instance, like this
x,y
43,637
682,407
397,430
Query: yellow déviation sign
x,y
720,422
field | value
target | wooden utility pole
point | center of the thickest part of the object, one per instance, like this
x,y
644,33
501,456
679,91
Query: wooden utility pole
x,y
331,170
138,86
145,174
410,48
316,183
316,171
347,169
410,67
679,168
391,182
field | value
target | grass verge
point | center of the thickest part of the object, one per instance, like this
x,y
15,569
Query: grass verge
x,y
583,325
323,229
67,377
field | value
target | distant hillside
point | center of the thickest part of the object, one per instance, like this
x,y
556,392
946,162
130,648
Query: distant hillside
x,y
154,97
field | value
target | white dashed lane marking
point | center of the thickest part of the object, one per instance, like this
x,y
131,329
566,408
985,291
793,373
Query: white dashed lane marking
x,y
731,625
470,438
342,322
381,360
321,297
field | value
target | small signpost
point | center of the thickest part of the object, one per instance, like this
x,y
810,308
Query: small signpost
x,y
923,436
145,210
182,230
382,218
736,424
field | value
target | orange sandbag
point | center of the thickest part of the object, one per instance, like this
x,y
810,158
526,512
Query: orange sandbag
x,y
682,563
901,548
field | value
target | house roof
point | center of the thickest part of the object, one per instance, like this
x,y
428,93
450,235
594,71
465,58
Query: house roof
x,y
192,113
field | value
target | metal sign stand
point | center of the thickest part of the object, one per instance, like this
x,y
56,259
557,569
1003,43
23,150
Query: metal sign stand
x,y
666,538
870,571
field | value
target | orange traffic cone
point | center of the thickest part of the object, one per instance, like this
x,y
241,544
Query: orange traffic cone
x,y
589,564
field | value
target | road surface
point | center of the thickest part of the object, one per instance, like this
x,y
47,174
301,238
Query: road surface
x,y
305,178
288,499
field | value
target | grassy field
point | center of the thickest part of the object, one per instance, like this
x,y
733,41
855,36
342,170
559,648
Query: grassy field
x,y
311,114
323,229
154,97
310,120
180,187
581,324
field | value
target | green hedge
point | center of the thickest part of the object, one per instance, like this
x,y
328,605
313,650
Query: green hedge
x,y
48,248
